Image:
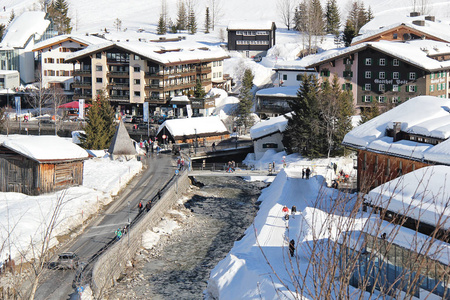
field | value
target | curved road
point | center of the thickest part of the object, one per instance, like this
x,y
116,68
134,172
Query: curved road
x,y
57,284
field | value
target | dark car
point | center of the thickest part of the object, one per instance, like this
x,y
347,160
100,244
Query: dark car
x,y
137,119
68,260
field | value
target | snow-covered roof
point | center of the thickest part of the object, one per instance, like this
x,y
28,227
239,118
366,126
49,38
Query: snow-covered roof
x,y
157,52
424,115
181,98
294,65
382,23
192,126
415,52
422,195
269,126
80,38
45,148
250,25
23,27
282,91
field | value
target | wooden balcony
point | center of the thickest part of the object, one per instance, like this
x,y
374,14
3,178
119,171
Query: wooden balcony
x,y
118,86
79,84
118,74
119,98
82,73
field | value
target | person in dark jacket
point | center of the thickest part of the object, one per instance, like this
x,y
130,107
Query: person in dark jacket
x,y
148,206
292,247
308,172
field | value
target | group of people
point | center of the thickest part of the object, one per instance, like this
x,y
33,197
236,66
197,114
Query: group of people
x,y
306,172
231,167
181,163
285,210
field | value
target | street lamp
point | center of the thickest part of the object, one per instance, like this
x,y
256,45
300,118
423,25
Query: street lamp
x,y
196,143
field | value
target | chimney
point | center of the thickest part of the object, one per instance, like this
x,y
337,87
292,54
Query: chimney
x,y
430,18
414,14
419,22
396,131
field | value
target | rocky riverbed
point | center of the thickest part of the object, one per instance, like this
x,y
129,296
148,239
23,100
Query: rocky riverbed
x,y
210,218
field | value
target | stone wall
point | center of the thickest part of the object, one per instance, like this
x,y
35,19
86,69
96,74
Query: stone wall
x,y
112,262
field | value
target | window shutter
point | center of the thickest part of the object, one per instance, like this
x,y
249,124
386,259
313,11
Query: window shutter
x,y
363,87
343,87
371,98
399,88
363,99
351,86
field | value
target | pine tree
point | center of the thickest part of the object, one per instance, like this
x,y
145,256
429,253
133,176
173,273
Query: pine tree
x,y
349,33
346,111
371,112
245,105
100,127
58,12
2,31
303,133
12,16
199,91
192,22
162,28
181,16
332,17
207,21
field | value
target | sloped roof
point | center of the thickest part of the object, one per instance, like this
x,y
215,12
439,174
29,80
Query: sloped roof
x,y
269,126
28,24
281,91
156,52
250,25
45,148
192,126
427,116
121,143
414,52
85,40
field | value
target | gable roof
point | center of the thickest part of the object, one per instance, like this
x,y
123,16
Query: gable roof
x,y
45,148
83,40
268,127
27,25
156,52
192,126
427,116
251,25
416,53
121,143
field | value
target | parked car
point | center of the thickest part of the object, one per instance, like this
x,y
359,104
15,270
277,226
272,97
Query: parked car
x,y
137,119
127,118
67,260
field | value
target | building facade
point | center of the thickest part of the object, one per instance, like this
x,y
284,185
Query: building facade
x,y
251,38
131,74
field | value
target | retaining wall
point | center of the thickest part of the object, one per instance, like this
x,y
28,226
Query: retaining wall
x,y
112,262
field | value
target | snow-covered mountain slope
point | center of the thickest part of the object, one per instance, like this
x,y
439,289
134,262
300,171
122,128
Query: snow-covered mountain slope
x,y
94,15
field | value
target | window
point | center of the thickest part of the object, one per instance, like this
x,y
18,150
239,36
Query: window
x,y
137,69
395,99
368,74
136,57
394,36
382,61
98,55
382,75
99,80
381,99
395,88
270,145
388,167
238,32
325,73
137,93
262,33
284,76
98,68
412,88
348,74
432,88
137,81
348,61
299,77
368,61
432,76
367,87
396,75
347,87
367,98
381,87
412,75
396,62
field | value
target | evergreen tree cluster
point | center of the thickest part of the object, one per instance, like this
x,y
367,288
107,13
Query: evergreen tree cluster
x,y
100,125
321,116
243,114
58,13
356,19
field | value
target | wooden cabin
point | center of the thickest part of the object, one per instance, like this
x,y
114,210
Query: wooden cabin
x,y
35,165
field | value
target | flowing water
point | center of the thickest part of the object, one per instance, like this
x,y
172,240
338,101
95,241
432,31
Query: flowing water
x,y
179,266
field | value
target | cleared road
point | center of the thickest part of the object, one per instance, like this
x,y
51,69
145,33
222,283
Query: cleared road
x,y
57,284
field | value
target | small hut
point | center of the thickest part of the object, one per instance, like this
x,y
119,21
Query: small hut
x,y
35,165
121,144
201,130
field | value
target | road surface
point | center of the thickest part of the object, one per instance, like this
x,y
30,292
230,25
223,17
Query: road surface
x,y
57,284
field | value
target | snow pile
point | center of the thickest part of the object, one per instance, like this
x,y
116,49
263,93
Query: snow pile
x,y
151,237
26,217
45,147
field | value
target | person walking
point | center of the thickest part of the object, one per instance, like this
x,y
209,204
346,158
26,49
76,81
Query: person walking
x,y
292,247
307,172
303,173
214,146
148,206
140,206
335,168
293,209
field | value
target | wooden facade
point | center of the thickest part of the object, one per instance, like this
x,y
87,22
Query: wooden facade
x,y
23,175
375,169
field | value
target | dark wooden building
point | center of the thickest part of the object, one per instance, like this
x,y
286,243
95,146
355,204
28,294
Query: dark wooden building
x,y
26,166
252,38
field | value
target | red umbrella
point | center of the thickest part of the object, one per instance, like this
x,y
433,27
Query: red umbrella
x,y
73,104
